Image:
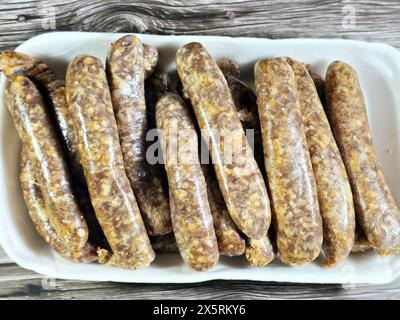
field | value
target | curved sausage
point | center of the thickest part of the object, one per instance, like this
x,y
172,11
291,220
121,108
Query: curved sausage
x,y
260,252
230,240
376,210
40,215
293,190
112,197
238,175
125,71
333,186
190,212
15,63
39,138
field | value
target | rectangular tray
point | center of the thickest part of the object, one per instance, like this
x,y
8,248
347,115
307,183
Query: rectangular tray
x,y
378,66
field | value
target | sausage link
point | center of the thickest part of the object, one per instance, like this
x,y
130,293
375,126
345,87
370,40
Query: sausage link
x,y
361,243
15,63
246,106
375,207
190,212
165,243
260,252
155,87
287,161
150,56
333,186
230,241
96,130
125,71
40,214
39,138
319,85
240,180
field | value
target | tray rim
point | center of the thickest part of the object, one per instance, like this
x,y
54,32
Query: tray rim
x,y
24,47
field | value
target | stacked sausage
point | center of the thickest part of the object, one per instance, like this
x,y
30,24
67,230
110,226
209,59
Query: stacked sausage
x,y
93,194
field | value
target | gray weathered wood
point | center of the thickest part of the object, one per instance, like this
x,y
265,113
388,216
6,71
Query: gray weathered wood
x,y
374,20
19,20
18,283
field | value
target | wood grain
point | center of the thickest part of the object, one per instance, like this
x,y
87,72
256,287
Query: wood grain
x,y
18,283
374,20
20,20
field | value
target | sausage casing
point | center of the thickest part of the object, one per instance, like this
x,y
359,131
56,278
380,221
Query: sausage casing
x,y
40,214
230,241
190,212
125,71
292,185
150,56
16,63
112,197
333,186
39,138
375,207
259,252
53,90
239,177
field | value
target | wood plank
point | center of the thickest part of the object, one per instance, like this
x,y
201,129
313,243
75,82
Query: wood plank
x,y
374,20
18,283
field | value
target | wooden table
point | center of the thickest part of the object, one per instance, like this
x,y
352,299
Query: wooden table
x,y
367,20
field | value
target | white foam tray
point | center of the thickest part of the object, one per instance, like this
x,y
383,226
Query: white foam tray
x,y
378,66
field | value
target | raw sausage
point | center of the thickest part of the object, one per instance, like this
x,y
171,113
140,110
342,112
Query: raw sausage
x,y
230,241
38,135
15,63
238,175
112,197
125,71
293,190
150,56
40,215
376,210
333,186
190,212
229,238
156,86
246,106
260,252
